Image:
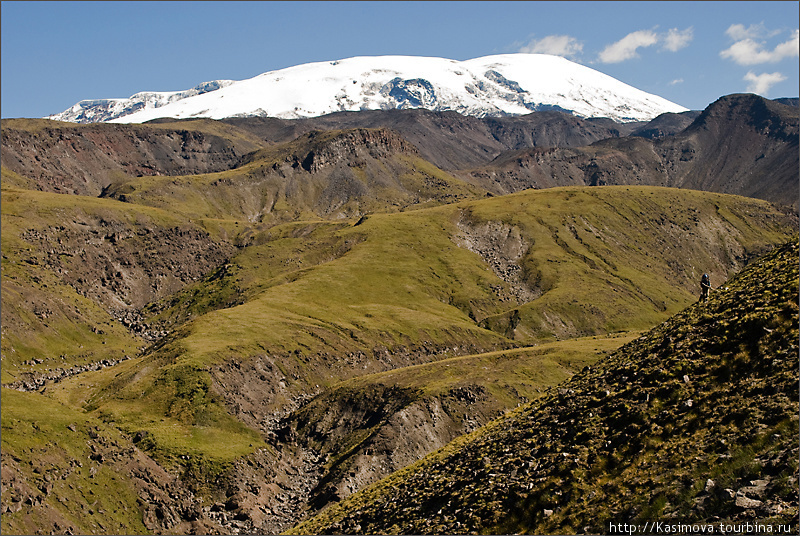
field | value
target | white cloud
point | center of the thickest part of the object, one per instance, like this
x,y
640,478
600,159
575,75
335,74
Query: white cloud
x,y
676,39
790,48
738,32
625,48
558,45
761,83
676,81
748,51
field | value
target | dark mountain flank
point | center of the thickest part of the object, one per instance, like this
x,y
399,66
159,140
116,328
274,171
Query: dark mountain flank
x,y
329,174
69,155
694,422
83,159
791,101
665,125
448,139
741,144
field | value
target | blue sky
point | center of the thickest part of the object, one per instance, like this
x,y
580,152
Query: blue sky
x,y
57,53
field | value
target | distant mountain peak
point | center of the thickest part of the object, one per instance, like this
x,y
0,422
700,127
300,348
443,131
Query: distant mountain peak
x,y
501,85
101,110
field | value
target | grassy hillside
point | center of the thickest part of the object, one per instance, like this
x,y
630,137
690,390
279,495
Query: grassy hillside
x,y
372,425
317,303
47,460
219,334
694,422
43,317
72,263
633,257
66,472
224,330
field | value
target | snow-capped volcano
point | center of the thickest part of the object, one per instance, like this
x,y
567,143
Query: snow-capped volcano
x,y
509,84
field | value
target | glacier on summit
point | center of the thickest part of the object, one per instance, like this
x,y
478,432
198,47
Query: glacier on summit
x,y
499,85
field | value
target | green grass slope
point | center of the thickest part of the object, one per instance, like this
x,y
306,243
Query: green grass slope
x,y
633,257
65,472
43,317
396,290
695,422
621,257
70,262
372,425
60,254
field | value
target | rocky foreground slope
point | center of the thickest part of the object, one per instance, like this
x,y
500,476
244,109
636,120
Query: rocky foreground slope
x,y
695,422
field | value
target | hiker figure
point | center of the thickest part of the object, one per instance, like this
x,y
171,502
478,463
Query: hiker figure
x,y
705,287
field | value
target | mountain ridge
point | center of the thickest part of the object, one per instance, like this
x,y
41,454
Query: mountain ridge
x,y
100,110
741,144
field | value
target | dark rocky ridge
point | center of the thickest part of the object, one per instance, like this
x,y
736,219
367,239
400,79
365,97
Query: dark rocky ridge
x,y
332,174
315,150
741,144
789,101
448,139
666,125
